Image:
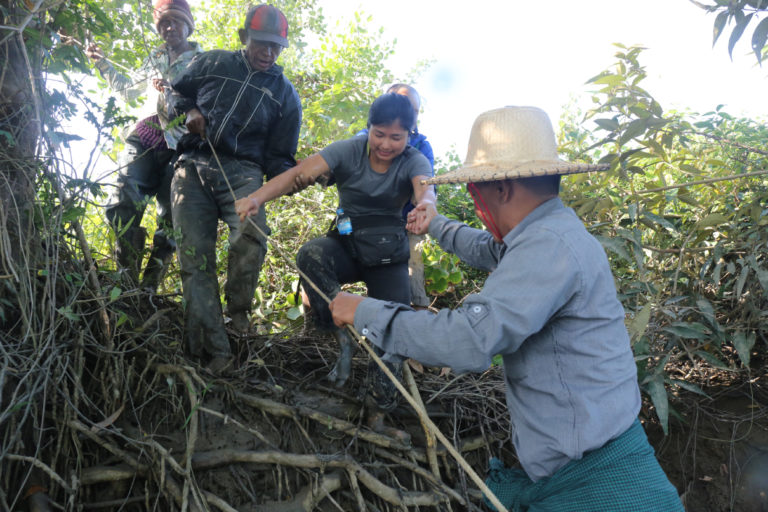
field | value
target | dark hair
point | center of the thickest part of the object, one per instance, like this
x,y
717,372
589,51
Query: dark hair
x,y
542,185
391,107
412,93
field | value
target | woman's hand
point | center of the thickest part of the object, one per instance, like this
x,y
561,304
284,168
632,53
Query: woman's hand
x,y
419,218
246,207
343,308
195,122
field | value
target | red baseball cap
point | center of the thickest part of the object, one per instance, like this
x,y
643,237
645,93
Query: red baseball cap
x,y
267,23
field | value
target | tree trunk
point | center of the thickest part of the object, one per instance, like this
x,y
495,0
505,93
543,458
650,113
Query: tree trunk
x,y
19,140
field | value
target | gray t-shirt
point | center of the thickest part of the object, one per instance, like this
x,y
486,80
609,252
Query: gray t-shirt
x,y
363,191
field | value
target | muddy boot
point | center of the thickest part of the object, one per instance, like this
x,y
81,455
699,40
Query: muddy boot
x,y
239,322
221,366
129,250
154,272
343,367
382,398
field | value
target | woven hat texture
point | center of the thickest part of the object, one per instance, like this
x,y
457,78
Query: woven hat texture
x,y
510,143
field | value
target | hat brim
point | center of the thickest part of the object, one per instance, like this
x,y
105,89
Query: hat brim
x,y
485,172
258,35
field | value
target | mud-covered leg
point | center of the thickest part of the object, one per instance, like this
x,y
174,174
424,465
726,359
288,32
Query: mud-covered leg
x,y
343,367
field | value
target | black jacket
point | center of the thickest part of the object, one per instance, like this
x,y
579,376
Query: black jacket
x,y
249,114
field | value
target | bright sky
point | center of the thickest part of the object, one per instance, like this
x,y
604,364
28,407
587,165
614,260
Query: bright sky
x,y
491,53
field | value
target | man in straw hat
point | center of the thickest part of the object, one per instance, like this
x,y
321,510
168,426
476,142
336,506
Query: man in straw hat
x,y
549,308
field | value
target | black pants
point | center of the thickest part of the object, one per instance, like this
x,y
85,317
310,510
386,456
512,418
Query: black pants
x,y
328,264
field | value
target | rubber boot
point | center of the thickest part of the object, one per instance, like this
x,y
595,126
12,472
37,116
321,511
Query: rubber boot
x,y
343,367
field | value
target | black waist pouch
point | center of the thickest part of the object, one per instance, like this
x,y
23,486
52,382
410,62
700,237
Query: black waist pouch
x,y
377,241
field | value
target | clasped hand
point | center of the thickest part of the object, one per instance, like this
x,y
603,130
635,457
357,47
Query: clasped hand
x,y
419,218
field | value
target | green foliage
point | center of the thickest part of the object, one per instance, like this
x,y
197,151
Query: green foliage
x,y
690,261
740,13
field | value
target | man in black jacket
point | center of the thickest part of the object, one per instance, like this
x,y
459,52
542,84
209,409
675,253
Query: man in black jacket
x,y
242,104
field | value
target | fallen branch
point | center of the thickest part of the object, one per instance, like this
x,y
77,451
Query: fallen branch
x,y
215,458
306,499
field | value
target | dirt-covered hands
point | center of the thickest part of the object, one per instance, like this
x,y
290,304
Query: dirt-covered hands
x,y
420,217
195,122
343,308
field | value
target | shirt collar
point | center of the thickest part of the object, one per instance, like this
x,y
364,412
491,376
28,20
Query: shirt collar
x,y
274,70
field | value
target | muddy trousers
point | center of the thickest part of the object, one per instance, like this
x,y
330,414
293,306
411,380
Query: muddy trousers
x,y
327,263
200,197
144,174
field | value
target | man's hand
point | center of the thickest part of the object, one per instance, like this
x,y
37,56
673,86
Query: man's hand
x,y
420,217
195,122
93,52
160,84
246,207
343,308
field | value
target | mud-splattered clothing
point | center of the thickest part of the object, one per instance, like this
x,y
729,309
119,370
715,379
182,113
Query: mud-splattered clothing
x,y
249,114
200,197
252,119
328,261
145,165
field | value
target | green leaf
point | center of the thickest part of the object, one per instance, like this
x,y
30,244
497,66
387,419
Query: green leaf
x,y
660,220
640,323
706,310
634,129
614,245
293,313
712,220
689,386
719,25
73,213
114,293
689,330
608,79
610,125
706,356
758,39
743,343
658,393
741,281
738,30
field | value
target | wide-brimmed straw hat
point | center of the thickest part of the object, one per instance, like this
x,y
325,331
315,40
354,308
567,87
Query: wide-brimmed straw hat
x,y
510,143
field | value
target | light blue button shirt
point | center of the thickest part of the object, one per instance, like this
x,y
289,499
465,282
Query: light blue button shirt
x,y
549,307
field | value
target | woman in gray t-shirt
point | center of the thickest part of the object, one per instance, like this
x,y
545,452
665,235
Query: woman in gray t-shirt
x,y
375,176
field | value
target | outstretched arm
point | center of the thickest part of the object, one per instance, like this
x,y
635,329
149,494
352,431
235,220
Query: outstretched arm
x,y
309,169
424,198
